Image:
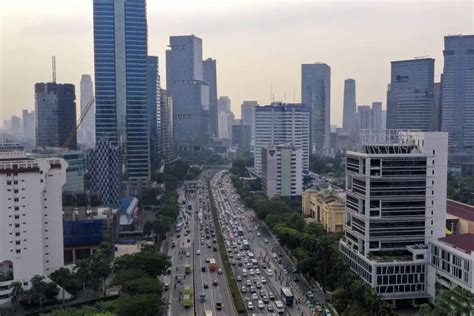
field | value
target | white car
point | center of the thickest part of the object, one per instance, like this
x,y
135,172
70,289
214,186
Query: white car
x,y
250,305
263,280
198,252
255,296
260,304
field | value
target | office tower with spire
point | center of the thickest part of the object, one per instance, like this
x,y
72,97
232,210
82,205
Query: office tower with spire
x,y
55,107
316,94
120,60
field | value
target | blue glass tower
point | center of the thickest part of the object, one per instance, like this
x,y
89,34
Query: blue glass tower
x,y
120,56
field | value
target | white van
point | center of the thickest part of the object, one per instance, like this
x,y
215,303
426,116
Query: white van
x,y
244,272
279,307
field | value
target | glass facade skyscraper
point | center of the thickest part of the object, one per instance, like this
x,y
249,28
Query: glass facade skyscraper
x,y
410,103
184,81
154,117
457,91
316,94
120,55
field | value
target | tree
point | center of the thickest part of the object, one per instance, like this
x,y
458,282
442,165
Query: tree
x,y
425,310
147,260
123,276
145,305
67,280
17,292
145,285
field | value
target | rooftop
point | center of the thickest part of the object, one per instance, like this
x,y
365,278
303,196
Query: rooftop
x,y
461,210
464,242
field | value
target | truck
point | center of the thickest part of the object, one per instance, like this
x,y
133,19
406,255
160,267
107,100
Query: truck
x,y
187,297
212,264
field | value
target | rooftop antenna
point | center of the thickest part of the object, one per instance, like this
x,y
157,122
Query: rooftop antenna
x,y
54,68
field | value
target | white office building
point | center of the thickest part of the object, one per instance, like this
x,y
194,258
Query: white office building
x,y
282,171
395,206
278,124
31,223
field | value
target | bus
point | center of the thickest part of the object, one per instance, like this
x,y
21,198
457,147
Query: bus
x,y
246,245
187,297
279,307
287,296
187,269
212,265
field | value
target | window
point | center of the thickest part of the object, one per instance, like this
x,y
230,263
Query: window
x,y
18,251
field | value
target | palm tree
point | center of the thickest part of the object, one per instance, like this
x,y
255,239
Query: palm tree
x,y
38,287
17,291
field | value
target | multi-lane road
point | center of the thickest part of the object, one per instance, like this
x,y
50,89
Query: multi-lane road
x,y
261,281
192,246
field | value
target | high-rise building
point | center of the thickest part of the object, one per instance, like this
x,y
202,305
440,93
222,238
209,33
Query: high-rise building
x,y
55,107
105,169
395,205
437,107
410,104
31,226
225,118
241,135
349,117
184,81
153,92
377,115
247,110
316,94
457,91
120,61
282,171
86,132
29,123
209,73
364,115
167,151
278,124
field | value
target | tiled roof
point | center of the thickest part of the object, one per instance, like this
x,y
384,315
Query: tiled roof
x,y
460,210
464,242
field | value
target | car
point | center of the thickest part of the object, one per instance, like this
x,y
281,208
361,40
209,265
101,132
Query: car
x,y
257,271
260,304
269,272
214,249
258,234
219,271
270,308
294,270
166,287
248,283
258,285
295,278
239,278
203,269
202,297
254,296
173,244
188,254
263,280
244,289
252,289
252,272
265,240
309,295
271,296
198,252
250,306
214,282
207,260
285,271
265,298
206,285
219,305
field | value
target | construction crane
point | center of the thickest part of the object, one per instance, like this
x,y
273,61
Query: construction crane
x,y
73,132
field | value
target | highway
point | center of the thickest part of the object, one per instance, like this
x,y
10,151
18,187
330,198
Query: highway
x,y
192,249
267,275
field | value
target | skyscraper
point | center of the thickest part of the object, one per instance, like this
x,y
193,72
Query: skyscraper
x,y
395,205
410,104
278,124
105,169
29,125
210,78
153,92
86,133
377,115
55,107
364,115
457,91
349,118
316,94
184,81
167,150
120,60
247,111
225,116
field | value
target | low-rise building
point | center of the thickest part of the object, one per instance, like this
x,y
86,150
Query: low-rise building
x,y
459,217
327,207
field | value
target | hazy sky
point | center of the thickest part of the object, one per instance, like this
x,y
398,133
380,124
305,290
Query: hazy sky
x,y
258,44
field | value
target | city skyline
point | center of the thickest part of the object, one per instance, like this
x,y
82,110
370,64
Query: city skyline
x,y
349,25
